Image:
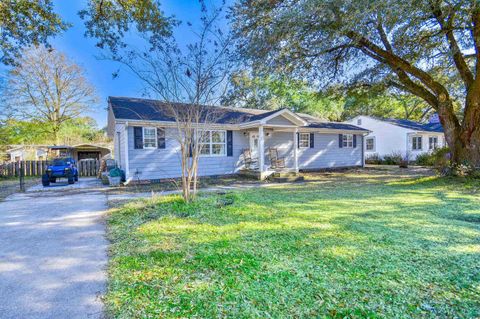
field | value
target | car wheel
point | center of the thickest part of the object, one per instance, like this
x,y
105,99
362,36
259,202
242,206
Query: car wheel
x,y
76,178
71,179
53,180
45,180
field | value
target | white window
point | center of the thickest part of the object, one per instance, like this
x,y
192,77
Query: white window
x,y
213,143
149,137
370,143
359,121
432,143
416,143
348,140
304,140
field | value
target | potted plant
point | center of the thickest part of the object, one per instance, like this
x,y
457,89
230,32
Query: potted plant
x,y
115,177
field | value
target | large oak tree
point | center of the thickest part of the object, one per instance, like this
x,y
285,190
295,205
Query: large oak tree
x,y
33,22
428,48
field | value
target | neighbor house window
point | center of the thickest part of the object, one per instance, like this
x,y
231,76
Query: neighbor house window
x,y
432,143
149,137
213,143
304,140
348,140
416,143
370,143
359,122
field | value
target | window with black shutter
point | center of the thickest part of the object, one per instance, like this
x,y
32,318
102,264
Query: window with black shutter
x,y
138,137
161,137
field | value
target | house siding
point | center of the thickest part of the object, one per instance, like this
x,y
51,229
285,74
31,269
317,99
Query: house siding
x,y
279,120
166,163
393,139
119,146
326,152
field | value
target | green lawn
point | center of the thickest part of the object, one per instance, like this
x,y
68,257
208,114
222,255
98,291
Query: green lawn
x,y
361,244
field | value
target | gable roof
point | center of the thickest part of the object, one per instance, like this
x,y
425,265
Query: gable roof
x,y
153,110
427,127
127,108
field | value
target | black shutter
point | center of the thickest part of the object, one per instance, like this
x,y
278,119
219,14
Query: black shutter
x,y
354,141
229,143
138,137
340,140
298,140
312,140
160,137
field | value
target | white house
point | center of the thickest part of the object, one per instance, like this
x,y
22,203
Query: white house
x,y
409,138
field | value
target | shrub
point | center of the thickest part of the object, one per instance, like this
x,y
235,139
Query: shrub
x,y
425,159
374,159
394,158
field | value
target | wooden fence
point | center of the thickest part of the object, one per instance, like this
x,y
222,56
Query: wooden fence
x,y
38,168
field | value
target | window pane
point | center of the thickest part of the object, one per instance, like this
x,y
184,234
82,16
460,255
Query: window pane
x,y
304,140
218,149
205,149
218,137
149,137
205,137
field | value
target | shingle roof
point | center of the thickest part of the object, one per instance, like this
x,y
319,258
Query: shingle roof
x,y
428,127
127,108
153,110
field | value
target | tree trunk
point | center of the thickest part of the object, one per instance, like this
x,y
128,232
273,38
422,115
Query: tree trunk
x,y
463,140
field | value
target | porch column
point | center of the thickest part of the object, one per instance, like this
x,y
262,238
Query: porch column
x,y
261,151
295,150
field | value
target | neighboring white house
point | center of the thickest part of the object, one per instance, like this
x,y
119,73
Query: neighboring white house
x,y
409,138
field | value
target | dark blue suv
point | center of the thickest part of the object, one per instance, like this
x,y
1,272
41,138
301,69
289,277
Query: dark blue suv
x,y
60,168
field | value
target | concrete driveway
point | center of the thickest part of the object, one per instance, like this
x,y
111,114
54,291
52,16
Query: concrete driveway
x,y
52,254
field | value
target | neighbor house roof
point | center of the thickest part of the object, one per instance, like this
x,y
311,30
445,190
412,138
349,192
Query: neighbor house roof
x,y
127,108
427,127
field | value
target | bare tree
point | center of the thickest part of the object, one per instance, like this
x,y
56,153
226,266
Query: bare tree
x,y
189,81
49,88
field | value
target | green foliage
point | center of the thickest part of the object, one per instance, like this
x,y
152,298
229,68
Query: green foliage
x,y
75,131
373,159
273,93
394,158
110,21
342,246
24,23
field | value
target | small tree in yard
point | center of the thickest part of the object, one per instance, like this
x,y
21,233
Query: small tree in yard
x,y
427,48
48,88
188,81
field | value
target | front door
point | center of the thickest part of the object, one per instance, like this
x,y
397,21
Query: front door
x,y
254,144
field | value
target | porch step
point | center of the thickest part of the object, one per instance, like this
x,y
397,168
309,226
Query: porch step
x,y
290,179
249,173
284,174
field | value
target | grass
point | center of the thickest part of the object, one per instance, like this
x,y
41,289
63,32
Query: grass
x,y
11,185
360,244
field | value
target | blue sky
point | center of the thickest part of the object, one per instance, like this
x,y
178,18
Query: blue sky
x,y
83,51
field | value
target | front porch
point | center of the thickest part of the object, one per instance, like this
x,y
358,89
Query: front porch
x,y
272,152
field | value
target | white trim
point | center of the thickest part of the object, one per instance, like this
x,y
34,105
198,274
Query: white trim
x,y
216,143
261,150
143,137
374,143
421,143
127,160
437,144
343,140
295,150
294,117
300,138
